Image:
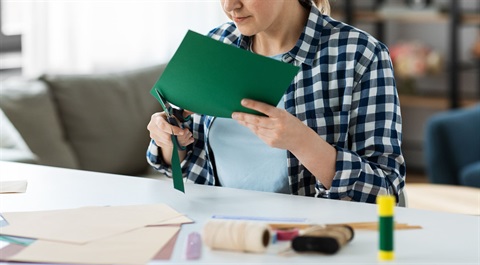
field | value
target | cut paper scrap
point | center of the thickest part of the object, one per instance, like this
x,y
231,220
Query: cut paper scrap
x,y
13,186
135,247
85,224
17,240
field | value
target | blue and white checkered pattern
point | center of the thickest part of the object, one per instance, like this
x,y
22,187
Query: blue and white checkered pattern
x,y
346,92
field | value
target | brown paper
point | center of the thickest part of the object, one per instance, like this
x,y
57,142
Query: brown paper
x,y
86,224
135,247
166,252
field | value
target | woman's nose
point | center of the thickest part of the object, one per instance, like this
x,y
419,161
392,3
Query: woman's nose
x,y
230,5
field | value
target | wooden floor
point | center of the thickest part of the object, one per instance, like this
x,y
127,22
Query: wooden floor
x,y
444,198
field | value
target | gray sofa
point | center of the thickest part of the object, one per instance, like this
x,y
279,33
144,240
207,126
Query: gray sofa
x,y
89,122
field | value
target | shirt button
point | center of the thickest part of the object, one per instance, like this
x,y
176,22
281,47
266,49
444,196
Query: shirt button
x,y
286,58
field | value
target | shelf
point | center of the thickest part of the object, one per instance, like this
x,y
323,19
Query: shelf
x,y
410,17
470,19
451,15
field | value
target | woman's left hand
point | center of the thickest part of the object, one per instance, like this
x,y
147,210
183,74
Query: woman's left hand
x,y
278,128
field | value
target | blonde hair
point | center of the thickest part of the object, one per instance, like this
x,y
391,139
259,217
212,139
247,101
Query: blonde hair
x,y
323,6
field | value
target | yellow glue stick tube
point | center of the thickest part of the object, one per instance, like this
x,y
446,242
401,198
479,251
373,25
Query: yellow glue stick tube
x,y
386,206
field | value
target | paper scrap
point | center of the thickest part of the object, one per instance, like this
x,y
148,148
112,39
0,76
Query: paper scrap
x,y
13,186
17,240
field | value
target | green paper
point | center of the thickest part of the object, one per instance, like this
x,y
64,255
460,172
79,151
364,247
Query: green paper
x,y
17,240
209,77
176,168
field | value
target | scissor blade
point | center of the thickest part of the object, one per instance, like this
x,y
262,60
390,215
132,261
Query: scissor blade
x,y
162,103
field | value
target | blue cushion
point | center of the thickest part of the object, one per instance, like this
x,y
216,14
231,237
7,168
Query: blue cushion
x,y
470,175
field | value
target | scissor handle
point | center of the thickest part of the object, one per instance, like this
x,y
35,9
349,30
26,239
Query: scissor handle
x,y
173,121
178,113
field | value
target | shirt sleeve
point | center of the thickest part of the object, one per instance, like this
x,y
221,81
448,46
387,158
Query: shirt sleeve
x,y
373,163
154,158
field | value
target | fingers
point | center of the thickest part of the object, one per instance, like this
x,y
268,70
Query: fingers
x,y
270,121
264,108
156,133
251,119
161,131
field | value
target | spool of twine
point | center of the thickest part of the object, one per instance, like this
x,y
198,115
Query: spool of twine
x,y
236,235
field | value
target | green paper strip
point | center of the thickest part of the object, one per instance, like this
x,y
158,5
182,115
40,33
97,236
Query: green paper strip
x,y
17,240
176,168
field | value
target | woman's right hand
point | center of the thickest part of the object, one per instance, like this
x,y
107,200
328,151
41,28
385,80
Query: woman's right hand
x,y
161,131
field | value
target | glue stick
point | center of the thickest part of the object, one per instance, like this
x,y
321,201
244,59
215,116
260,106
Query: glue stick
x,y
386,205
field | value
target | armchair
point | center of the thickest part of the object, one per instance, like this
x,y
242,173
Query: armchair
x,y
452,147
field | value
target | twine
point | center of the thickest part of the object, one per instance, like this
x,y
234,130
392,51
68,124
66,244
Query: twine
x,y
236,235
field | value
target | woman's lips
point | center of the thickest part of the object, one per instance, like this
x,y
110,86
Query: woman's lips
x,y
239,19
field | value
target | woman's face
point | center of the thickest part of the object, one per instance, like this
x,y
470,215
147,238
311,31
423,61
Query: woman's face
x,y
254,16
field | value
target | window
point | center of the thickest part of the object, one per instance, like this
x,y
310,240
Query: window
x,y
10,26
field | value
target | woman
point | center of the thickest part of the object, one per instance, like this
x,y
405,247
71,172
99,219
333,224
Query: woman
x,y
335,134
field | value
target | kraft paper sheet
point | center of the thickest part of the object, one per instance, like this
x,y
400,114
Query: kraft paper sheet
x,y
134,247
86,224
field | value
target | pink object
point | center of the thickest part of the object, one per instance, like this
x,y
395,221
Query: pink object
x,y
286,235
194,246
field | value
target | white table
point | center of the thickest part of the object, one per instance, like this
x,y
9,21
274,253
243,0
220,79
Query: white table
x,y
445,238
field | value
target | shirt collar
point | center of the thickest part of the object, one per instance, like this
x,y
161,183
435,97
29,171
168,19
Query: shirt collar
x,y
244,42
307,46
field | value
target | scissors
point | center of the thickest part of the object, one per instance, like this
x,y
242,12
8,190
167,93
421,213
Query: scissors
x,y
172,115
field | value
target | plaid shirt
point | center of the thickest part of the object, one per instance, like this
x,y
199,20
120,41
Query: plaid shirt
x,y
346,92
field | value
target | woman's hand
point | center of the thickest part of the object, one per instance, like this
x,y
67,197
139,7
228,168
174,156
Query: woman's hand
x,y
278,129
281,129
161,132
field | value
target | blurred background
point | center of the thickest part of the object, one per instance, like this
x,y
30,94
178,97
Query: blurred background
x,y
434,45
